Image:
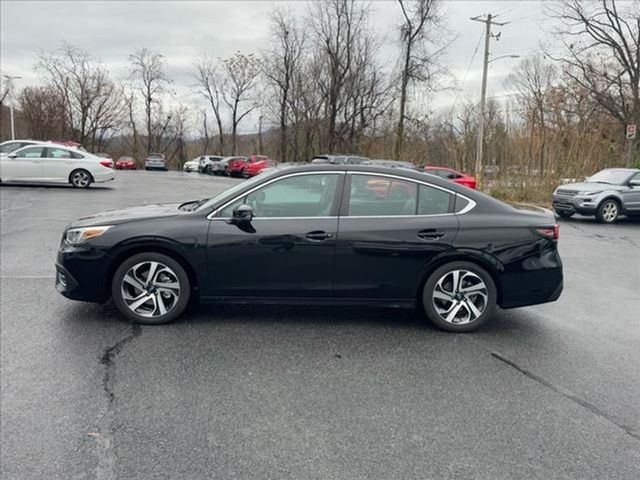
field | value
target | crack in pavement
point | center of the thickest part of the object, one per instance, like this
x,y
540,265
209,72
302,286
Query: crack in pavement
x,y
568,394
105,427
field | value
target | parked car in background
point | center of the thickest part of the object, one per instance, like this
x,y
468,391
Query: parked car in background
x,y
339,159
453,175
191,165
256,164
317,234
206,161
155,161
11,145
235,166
219,167
607,195
51,163
126,162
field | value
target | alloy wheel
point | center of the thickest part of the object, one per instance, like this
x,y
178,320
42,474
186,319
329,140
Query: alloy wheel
x,y
460,297
81,179
150,289
610,211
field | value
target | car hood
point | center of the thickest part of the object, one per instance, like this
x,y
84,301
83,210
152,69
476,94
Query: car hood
x,y
115,217
589,187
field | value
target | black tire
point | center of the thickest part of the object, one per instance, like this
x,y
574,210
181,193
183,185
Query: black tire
x,y
176,308
80,178
564,213
608,211
446,272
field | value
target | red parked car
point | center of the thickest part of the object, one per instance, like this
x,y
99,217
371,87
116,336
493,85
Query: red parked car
x,y
235,166
256,164
453,175
125,163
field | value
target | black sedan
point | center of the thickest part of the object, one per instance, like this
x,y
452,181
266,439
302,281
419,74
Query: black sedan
x,y
322,234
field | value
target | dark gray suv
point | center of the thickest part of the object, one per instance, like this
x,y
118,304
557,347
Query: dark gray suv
x,y
607,195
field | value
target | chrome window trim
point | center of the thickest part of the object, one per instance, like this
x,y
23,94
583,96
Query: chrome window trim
x,y
211,216
466,209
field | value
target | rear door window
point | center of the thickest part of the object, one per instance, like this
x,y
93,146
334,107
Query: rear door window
x,y
373,195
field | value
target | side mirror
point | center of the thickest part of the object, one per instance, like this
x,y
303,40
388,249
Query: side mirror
x,y
634,183
242,214
12,155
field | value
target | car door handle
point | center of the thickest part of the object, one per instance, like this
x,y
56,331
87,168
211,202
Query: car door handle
x,y
319,235
430,234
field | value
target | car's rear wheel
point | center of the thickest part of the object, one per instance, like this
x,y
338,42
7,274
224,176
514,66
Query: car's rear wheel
x,y
608,211
459,297
564,213
80,178
151,288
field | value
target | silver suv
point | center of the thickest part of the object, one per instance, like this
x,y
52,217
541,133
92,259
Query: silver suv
x,y
607,195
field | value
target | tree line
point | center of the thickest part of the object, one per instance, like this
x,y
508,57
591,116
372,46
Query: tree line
x,y
322,86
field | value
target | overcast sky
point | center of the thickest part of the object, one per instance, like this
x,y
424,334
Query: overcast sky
x,y
180,30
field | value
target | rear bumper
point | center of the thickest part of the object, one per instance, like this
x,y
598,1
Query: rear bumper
x,y
104,177
531,288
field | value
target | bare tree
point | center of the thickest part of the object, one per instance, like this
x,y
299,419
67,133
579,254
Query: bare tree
x,y
148,72
211,83
336,25
93,104
280,64
602,53
533,79
417,62
242,74
43,110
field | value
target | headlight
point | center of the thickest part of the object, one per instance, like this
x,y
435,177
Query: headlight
x,y
75,236
590,194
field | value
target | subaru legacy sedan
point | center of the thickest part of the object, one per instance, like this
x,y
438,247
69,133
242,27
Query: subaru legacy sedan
x,y
320,234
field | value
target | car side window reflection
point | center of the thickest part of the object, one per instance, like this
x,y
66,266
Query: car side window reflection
x,y
373,195
433,201
298,196
58,153
35,152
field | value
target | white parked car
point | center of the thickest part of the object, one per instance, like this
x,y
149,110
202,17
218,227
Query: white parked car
x,y
206,162
191,165
51,163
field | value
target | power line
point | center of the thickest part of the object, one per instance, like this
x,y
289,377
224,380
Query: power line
x,y
464,78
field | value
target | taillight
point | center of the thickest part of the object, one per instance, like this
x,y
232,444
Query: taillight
x,y
106,163
549,232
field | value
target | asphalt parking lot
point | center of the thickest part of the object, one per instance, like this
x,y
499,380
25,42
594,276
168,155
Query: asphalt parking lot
x,y
311,393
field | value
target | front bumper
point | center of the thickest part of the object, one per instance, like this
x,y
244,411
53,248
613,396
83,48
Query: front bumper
x,y
82,274
581,204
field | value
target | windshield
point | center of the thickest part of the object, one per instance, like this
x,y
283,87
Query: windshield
x,y
229,194
611,175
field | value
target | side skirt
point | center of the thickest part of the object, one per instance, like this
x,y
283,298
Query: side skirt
x,y
372,302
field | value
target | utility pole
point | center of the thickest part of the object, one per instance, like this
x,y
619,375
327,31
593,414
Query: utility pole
x,y
488,21
10,79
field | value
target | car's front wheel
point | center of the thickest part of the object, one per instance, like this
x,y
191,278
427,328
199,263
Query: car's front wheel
x,y
459,297
80,178
608,211
151,288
